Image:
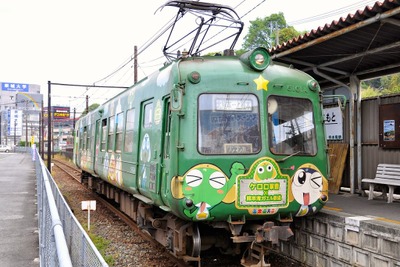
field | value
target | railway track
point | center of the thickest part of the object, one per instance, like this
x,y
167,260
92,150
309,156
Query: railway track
x,y
74,173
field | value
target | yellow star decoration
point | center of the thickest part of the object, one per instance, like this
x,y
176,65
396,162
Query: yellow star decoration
x,y
261,83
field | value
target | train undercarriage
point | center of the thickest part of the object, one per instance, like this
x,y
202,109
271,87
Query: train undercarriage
x,y
253,241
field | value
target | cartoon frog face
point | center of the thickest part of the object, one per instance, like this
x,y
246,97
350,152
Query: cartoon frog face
x,y
265,170
307,186
203,187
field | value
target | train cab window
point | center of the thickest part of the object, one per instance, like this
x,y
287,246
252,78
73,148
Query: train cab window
x,y
228,124
103,134
291,126
120,127
129,126
148,115
111,131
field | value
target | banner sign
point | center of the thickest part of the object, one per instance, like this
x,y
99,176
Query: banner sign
x,y
14,122
15,87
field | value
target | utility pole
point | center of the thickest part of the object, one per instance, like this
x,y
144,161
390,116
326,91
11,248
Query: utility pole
x,y
87,104
135,64
49,133
26,124
73,123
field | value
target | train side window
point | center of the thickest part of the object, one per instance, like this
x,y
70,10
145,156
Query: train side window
x,y
129,126
228,124
84,146
291,126
167,129
81,144
120,127
97,135
103,134
148,115
111,131
91,135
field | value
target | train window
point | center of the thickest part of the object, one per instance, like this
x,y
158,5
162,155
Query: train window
x,y
93,132
120,127
103,134
167,129
129,125
111,131
291,126
148,115
84,146
228,124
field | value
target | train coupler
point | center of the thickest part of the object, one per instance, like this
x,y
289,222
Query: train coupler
x,y
271,233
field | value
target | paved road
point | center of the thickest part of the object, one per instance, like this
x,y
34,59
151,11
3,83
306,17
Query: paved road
x,y
18,221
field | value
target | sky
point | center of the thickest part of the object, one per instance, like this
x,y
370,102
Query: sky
x,y
84,41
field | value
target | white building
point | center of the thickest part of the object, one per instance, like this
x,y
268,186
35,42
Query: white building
x,y
20,107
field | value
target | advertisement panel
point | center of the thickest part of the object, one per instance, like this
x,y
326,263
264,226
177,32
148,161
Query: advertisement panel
x,y
58,113
14,122
15,87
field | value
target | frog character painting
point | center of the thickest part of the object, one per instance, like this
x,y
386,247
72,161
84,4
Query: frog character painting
x,y
309,187
203,187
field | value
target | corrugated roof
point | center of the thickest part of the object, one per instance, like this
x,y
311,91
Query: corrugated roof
x,y
365,43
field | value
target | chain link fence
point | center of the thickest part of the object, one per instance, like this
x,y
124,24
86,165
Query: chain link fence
x,y
62,240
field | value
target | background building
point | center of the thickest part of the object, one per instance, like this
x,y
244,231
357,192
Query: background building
x,y
20,108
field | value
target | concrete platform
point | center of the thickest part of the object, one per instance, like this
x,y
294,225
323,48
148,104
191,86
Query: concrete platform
x,y
376,209
18,211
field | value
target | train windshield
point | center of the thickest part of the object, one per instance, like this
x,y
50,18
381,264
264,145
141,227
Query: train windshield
x,y
228,124
291,126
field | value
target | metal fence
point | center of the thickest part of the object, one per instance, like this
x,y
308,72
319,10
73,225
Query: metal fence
x,y
62,240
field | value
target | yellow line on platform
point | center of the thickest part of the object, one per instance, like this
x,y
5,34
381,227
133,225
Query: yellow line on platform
x,y
387,220
332,208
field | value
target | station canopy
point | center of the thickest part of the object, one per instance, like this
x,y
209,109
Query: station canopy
x,y
365,44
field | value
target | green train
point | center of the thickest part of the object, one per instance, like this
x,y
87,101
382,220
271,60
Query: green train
x,y
211,152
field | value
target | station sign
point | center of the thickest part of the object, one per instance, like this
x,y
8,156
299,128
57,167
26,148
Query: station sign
x,y
333,121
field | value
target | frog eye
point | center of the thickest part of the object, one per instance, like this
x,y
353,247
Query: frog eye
x,y
194,178
217,180
316,180
269,168
300,178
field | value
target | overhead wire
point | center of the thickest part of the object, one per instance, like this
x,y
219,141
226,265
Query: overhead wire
x,y
331,13
170,23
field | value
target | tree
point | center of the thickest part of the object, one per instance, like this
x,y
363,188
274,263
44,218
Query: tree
x,y
384,85
268,32
91,107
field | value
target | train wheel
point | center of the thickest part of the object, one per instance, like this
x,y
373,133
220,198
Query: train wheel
x,y
196,241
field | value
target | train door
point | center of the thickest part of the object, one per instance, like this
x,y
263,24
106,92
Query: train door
x,y
97,145
166,150
147,153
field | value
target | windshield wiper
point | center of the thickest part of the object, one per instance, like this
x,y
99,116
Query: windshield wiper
x,y
291,155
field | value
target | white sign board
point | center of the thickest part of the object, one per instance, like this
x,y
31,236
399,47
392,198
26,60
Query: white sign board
x,y
89,205
333,122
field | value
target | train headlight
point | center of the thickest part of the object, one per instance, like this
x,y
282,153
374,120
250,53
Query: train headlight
x,y
313,85
258,58
194,77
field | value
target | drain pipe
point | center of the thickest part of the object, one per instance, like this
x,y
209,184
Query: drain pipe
x,y
351,112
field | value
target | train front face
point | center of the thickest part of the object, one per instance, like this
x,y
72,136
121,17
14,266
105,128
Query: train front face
x,y
258,150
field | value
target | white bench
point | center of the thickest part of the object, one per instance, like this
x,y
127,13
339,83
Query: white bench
x,y
386,174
